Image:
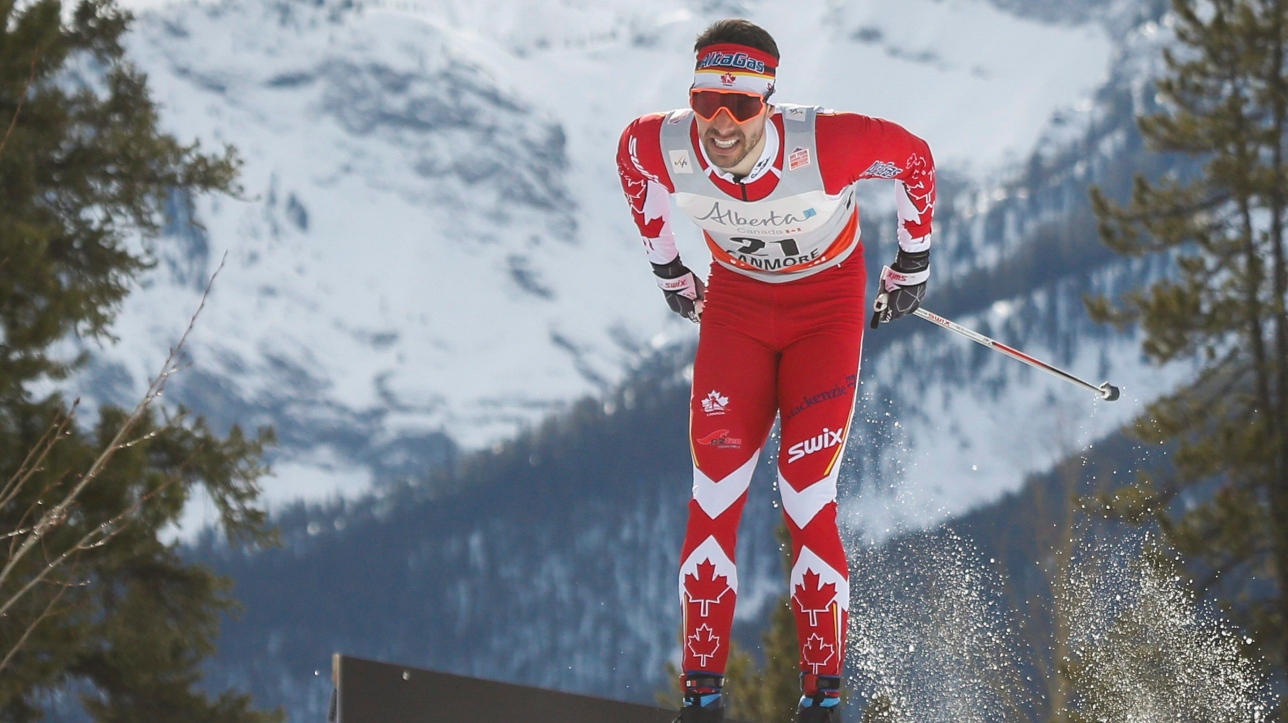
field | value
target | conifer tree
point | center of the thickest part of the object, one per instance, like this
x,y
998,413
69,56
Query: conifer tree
x,y
123,621
1224,106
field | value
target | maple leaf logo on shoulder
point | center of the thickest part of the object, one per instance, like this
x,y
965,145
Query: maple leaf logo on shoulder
x,y
817,652
812,598
715,404
706,587
703,644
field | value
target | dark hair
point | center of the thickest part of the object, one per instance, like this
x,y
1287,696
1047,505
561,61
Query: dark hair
x,y
737,30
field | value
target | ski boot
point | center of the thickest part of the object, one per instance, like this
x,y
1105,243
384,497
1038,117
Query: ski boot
x,y
821,699
703,701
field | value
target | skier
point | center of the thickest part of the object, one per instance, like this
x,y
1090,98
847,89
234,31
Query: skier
x,y
782,315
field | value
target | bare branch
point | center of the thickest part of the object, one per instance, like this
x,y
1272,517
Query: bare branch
x,y
59,511
31,77
36,457
169,424
96,537
36,623
16,533
31,510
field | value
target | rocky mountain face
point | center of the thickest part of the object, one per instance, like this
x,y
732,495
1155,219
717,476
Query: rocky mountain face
x,y
431,251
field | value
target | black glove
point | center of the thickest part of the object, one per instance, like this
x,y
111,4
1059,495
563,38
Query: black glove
x,y
684,290
902,287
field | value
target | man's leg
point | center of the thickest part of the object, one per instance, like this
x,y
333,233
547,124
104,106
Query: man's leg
x,y
818,379
731,411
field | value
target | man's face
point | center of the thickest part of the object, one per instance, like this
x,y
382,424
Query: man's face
x,y
726,141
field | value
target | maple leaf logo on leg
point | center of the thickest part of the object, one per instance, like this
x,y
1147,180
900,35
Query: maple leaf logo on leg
x,y
706,587
812,598
817,652
704,643
715,404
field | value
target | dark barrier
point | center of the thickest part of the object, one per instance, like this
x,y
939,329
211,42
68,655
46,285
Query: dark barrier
x,y
372,692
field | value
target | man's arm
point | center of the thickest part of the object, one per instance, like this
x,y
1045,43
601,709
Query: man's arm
x,y
647,186
854,147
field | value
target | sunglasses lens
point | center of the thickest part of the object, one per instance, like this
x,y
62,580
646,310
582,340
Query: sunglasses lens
x,y
745,107
741,106
706,104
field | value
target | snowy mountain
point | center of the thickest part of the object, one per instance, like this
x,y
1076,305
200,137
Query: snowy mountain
x,y
432,252
432,257
559,544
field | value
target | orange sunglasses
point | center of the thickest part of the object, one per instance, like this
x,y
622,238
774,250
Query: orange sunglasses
x,y
742,107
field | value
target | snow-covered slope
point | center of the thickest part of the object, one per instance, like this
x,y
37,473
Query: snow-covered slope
x,y
432,245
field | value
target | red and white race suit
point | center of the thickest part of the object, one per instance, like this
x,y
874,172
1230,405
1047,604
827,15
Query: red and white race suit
x,y
781,334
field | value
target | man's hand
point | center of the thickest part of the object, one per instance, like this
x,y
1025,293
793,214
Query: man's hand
x,y
684,290
902,287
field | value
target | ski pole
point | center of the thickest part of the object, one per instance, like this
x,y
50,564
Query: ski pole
x,y
1106,391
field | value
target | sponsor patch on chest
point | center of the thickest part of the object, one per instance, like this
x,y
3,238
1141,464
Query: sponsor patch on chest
x,y
680,162
798,158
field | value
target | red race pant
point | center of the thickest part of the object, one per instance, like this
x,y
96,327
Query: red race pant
x,y
789,349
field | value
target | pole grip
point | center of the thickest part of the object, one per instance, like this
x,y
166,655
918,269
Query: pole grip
x,y
878,306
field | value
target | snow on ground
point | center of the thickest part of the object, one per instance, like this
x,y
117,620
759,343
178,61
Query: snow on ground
x,y
432,237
